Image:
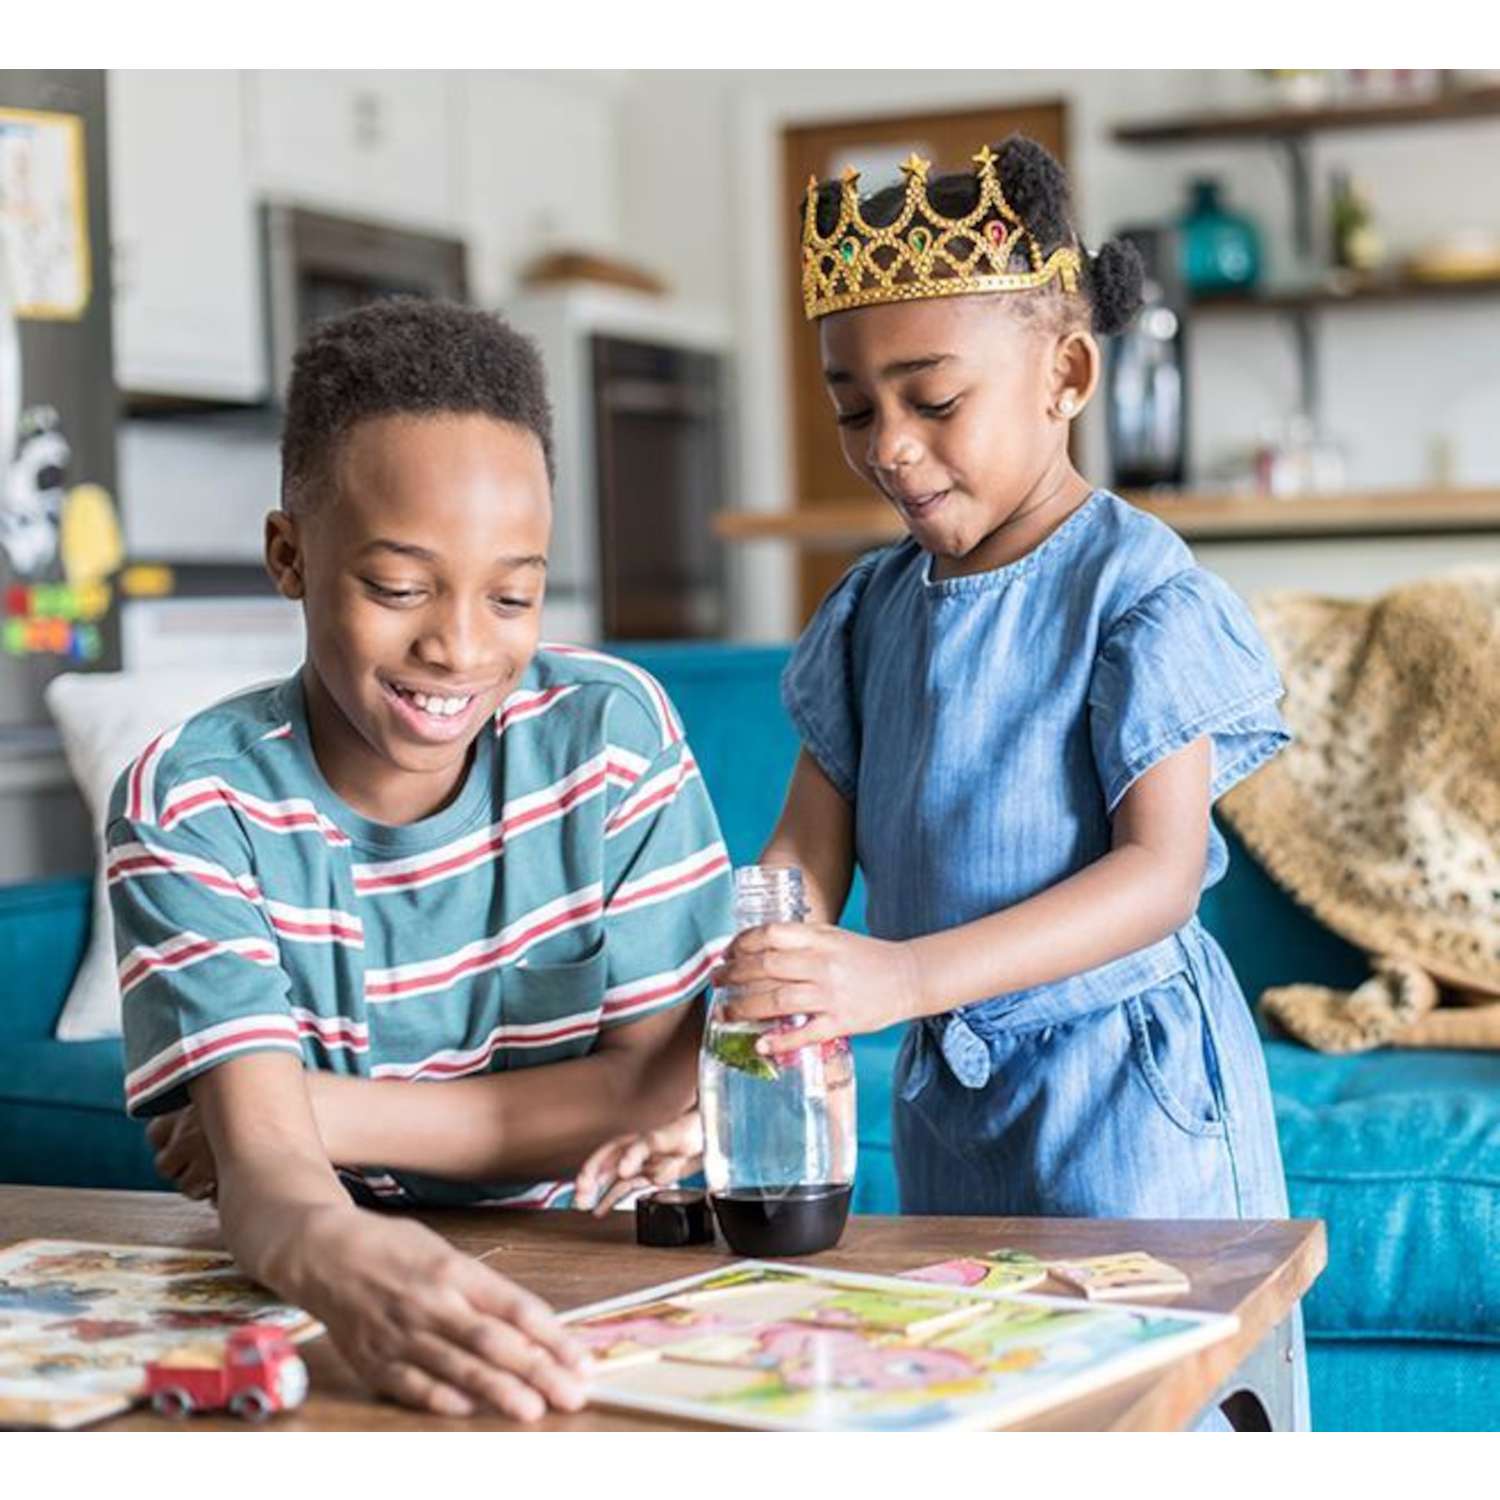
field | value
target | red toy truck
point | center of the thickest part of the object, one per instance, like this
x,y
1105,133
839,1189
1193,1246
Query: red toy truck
x,y
254,1372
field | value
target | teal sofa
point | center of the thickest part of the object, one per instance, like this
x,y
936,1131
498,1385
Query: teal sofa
x,y
1398,1152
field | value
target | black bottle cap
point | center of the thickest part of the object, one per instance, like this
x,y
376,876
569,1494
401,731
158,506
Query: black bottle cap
x,y
672,1217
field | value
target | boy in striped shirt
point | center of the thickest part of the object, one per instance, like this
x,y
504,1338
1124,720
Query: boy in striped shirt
x,y
438,854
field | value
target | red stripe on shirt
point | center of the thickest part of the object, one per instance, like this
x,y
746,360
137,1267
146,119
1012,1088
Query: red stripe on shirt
x,y
674,988
452,863
670,733
516,713
645,893
334,931
136,864
175,812
191,1056
137,778
628,813
181,957
476,963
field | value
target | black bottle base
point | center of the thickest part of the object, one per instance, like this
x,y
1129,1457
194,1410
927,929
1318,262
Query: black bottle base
x,y
773,1222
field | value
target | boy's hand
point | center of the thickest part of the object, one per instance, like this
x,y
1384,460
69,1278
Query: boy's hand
x,y
183,1155
841,982
431,1327
629,1163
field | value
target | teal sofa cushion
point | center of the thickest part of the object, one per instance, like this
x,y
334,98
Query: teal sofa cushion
x,y
1397,1151
744,744
1391,1386
44,928
63,1112
1400,1153
875,1176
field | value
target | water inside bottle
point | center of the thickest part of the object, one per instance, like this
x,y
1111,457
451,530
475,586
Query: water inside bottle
x,y
779,1140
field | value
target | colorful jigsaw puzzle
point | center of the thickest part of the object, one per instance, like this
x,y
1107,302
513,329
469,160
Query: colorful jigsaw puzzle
x,y
79,1322
801,1348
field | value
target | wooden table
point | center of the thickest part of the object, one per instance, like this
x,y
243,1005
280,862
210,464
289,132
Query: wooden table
x,y
1254,1269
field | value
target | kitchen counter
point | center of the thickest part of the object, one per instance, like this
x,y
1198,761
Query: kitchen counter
x,y
1199,517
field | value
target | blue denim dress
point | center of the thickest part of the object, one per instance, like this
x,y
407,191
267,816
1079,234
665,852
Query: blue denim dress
x,y
984,729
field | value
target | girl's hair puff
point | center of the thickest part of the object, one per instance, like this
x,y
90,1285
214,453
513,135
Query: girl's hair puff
x,y
1036,187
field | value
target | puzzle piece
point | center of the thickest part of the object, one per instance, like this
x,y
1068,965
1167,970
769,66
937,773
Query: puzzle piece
x,y
994,1271
882,1312
1131,1273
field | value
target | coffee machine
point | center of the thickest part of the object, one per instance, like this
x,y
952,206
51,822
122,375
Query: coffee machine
x,y
1145,379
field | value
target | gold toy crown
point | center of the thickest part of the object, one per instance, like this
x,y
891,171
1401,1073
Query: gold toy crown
x,y
857,265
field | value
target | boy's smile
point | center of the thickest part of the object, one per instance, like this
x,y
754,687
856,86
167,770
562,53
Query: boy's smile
x,y
421,572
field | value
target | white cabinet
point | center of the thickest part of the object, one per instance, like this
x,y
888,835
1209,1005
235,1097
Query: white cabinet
x,y
362,143
187,303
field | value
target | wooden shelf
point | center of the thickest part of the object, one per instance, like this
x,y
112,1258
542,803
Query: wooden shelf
x,y
1373,292
1289,130
1465,104
850,524
1211,517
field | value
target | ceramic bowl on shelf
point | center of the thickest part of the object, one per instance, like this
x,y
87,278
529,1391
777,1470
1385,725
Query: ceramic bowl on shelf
x,y
1470,255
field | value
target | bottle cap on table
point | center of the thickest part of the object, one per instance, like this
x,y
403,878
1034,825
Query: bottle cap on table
x,y
673,1216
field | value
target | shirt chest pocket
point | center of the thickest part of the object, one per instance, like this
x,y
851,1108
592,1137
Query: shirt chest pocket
x,y
549,1011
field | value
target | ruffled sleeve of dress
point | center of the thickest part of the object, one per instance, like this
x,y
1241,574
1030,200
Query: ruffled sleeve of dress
x,y
1185,661
818,686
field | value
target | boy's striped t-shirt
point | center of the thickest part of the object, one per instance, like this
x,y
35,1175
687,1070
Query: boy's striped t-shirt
x,y
577,881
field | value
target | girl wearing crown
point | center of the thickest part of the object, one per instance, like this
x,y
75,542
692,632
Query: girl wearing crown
x,y
1015,720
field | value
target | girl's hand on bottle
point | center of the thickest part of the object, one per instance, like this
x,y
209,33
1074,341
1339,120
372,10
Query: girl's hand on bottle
x,y
629,1163
841,982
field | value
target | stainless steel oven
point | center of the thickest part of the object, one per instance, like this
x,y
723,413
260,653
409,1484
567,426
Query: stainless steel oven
x,y
659,450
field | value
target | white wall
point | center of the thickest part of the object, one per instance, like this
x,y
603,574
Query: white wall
x,y
537,169
702,201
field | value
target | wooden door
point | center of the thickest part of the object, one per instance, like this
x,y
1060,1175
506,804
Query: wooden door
x,y
875,146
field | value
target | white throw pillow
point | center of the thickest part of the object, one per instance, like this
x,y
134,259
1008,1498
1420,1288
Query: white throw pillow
x,y
106,719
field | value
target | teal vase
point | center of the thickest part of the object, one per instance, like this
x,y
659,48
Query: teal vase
x,y
1220,248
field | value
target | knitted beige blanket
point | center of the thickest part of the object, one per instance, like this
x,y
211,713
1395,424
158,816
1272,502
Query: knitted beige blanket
x,y
1383,815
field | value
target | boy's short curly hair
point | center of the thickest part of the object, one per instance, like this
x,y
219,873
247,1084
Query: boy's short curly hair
x,y
404,356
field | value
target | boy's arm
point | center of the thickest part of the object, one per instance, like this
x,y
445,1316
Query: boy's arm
x,y
417,1320
208,1018
528,1122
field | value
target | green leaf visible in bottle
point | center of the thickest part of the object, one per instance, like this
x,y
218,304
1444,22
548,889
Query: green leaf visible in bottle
x,y
736,1049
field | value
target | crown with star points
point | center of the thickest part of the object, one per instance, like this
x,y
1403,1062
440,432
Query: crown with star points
x,y
922,252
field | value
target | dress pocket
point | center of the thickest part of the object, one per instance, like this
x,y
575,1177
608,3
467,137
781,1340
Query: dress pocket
x,y
546,1005
1174,1050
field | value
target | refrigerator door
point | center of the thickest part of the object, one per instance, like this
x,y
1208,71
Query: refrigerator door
x,y
59,526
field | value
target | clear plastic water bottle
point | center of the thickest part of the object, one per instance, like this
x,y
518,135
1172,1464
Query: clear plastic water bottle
x,y
780,1134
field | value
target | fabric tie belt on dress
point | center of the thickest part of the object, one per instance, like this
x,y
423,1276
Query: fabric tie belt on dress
x,y
962,1037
